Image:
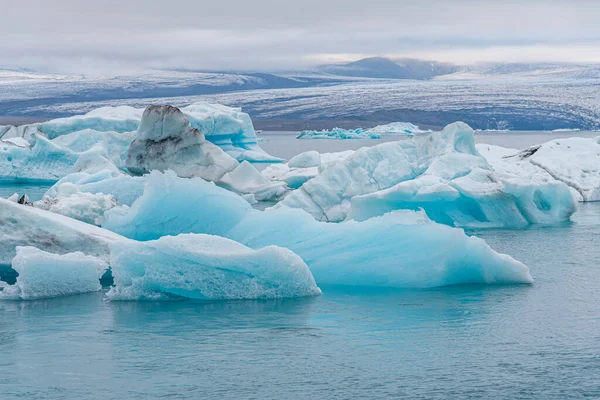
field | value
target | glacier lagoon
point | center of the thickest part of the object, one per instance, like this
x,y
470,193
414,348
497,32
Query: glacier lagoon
x,y
537,341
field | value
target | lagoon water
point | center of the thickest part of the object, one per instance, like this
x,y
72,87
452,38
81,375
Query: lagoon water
x,y
528,342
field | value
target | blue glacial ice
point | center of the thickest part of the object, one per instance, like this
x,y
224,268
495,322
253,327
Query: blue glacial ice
x,y
441,173
208,268
55,255
339,133
45,275
401,249
395,128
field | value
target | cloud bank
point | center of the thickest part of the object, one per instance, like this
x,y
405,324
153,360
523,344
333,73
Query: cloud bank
x,y
108,36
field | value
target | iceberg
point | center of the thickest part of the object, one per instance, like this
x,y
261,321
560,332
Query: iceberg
x,y
396,128
45,275
573,161
166,140
376,132
227,127
442,173
208,268
55,255
400,249
339,133
24,225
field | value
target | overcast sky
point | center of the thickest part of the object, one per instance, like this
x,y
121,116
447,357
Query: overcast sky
x,y
120,36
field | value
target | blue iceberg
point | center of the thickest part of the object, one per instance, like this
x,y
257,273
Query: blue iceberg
x,y
400,249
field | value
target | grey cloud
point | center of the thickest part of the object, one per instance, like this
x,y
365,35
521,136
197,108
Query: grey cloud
x,y
76,35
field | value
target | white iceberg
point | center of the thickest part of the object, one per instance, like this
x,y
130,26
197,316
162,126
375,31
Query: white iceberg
x,y
45,275
397,128
401,249
573,161
72,202
442,173
105,119
124,188
208,268
303,167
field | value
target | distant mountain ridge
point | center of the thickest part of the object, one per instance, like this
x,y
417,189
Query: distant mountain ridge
x,y
386,68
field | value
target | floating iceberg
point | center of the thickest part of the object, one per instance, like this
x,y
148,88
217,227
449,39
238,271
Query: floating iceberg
x,y
573,161
69,257
397,128
377,132
227,127
401,249
45,275
166,140
22,225
442,173
339,133
208,268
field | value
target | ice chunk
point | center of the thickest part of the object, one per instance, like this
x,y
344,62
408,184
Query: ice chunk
x,y
158,212
246,179
208,268
115,145
105,119
401,249
574,161
124,188
339,133
295,175
45,275
443,173
305,160
71,202
23,225
44,161
229,128
165,140
396,128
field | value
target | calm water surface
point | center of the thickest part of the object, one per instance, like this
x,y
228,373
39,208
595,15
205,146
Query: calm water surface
x,y
527,342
